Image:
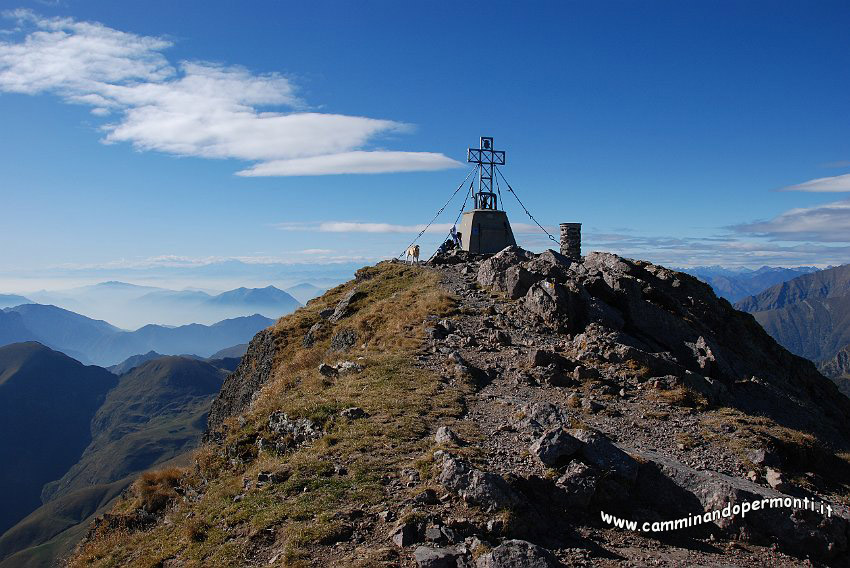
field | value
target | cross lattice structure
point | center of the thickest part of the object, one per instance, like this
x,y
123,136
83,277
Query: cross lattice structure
x,y
487,159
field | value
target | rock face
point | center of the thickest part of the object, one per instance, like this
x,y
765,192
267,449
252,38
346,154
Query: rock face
x,y
668,323
239,388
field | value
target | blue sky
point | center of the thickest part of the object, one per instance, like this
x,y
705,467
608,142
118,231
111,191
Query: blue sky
x,y
144,138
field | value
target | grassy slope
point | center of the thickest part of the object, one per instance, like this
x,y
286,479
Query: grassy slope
x,y
59,525
303,515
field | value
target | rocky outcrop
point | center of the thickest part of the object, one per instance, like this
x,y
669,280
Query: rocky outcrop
x,y
244,383
488,490
627,312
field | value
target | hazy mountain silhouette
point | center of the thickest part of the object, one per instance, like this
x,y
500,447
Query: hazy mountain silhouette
x,y
268,296
736,284
47,401
809,315
229,352
95,341
132,362
13,330
11,300
130,306
304,292
64,330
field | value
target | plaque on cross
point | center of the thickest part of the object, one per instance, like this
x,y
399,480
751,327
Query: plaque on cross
x,y
487,159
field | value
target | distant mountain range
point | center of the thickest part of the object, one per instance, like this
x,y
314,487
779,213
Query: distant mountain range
x,y
809,315
737,283
74,437
130,306
96,341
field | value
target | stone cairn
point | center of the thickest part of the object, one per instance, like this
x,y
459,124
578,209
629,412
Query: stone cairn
x,y
571,240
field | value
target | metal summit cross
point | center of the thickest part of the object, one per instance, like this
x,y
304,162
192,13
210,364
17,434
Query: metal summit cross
x,y
487,159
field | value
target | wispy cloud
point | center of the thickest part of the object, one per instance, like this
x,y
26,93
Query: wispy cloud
x,y
824,223
834,184
358,162
194,108
359,227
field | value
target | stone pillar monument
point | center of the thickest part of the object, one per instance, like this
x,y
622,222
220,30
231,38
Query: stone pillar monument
x,y
571,240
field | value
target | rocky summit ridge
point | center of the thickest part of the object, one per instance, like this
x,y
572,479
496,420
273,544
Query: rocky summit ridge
x,y
489,411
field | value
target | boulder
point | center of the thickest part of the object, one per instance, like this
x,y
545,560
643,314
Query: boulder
x,y
795,529
503,272
518,554
541,416
445,435
348,367
549,264
600,453
327,371
343,308
407,533
312,334
556,305
713,390
344,340
776,480
544,358
436,332
515,282
298,430
555,447
447,557
353,413
487,490
579,485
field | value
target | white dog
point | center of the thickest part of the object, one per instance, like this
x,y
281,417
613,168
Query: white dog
x,y
414,252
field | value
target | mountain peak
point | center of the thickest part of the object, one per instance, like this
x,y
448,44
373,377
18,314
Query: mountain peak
x,y
548,388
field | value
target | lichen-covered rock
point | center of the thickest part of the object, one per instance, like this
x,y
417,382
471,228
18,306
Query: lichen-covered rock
x,y
344,340
298,430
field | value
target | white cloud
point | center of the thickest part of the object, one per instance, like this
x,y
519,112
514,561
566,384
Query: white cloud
x,y
823,223
834,184
194,108
356,227
358,162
